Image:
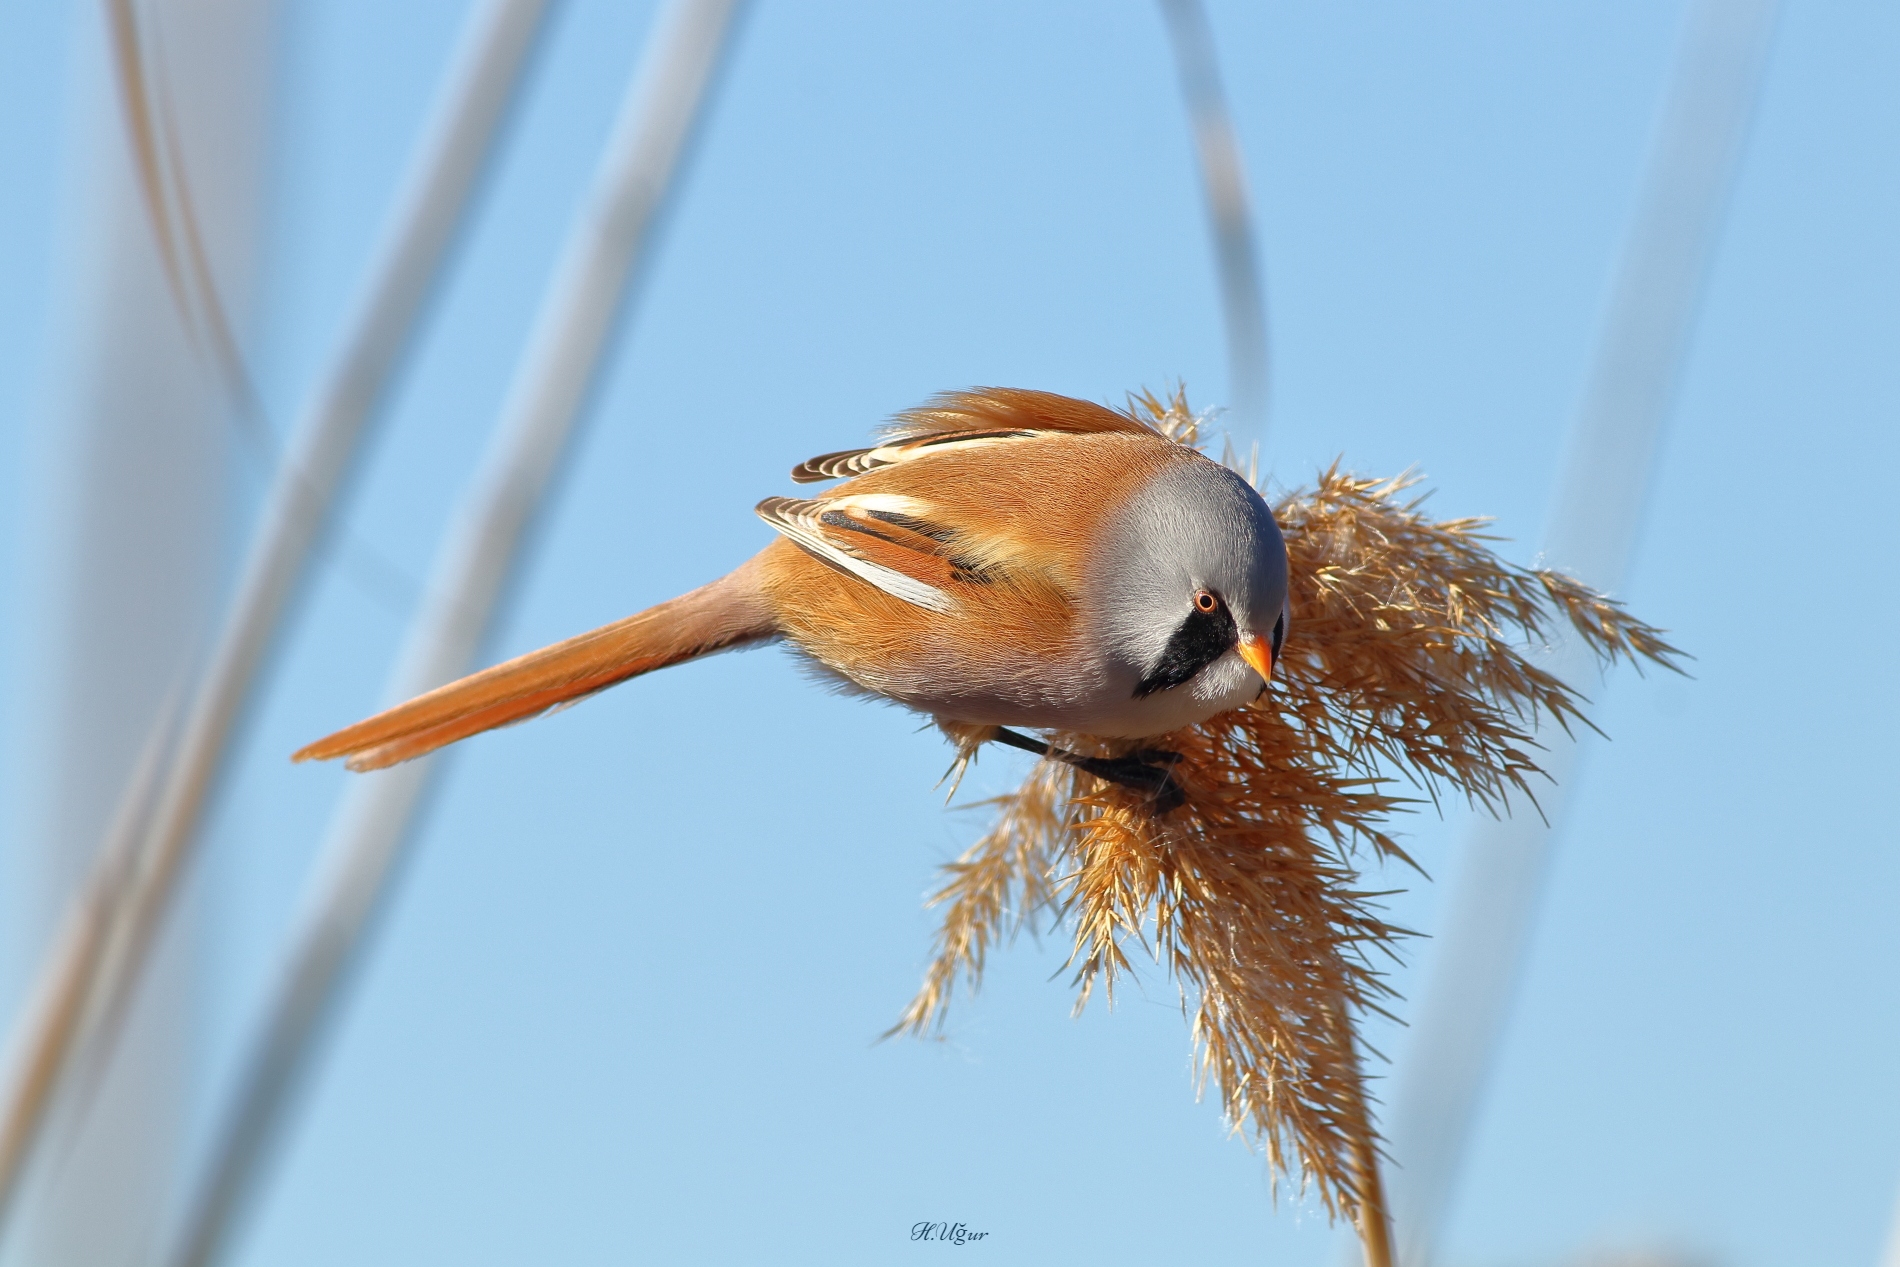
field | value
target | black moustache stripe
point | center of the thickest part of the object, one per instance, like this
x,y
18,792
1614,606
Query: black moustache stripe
x,y
1203,638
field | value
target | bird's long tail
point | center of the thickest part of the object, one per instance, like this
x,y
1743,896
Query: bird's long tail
x,y
728,613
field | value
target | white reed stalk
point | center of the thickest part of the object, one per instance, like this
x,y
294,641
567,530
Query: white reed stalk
x,y
114,920
558,369
1224,181
1592,533
60,997
1890,1253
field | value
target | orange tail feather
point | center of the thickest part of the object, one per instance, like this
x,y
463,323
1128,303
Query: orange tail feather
x,y
727,613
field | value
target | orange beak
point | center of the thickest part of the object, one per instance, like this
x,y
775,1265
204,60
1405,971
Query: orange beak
x,y
1259,655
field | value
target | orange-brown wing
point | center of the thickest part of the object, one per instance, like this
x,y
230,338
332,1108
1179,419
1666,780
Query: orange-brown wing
x,y
886,540
968,420
1011,408
848,462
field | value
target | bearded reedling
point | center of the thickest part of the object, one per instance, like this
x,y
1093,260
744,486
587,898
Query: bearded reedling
x,y
1005,558
1012,558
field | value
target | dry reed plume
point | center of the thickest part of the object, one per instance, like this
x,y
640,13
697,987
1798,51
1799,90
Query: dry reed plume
x,y
1407,659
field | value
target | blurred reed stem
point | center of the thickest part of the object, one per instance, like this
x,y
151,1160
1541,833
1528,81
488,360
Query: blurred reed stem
x,y
84,986
1224,183
1592,534
152,130
566,349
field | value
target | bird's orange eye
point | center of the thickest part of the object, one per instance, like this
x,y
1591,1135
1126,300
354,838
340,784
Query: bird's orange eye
x,y
1205,601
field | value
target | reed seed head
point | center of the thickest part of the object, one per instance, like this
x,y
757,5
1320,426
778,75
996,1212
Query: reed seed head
x,y
1409,663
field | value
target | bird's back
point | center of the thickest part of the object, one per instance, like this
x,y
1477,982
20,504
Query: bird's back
x,y
1002,534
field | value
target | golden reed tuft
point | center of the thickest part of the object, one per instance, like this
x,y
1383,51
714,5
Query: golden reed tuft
x,y
1407,659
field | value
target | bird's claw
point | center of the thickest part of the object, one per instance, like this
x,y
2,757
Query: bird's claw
x,y
1149,770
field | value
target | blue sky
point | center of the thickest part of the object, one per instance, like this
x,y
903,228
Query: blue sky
x,y
625,1007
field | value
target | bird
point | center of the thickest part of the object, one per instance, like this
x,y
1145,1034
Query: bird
x,y
1001,560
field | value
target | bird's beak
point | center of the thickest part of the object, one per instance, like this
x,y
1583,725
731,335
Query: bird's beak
x,y
1259,655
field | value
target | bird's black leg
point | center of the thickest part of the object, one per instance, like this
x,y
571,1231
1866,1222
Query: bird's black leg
x,y
1147,770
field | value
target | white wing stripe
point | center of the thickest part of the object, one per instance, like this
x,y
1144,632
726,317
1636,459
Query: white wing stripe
x,y
801,531
926,446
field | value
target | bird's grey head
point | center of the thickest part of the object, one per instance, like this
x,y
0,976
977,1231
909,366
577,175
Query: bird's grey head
x,y
1192,585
